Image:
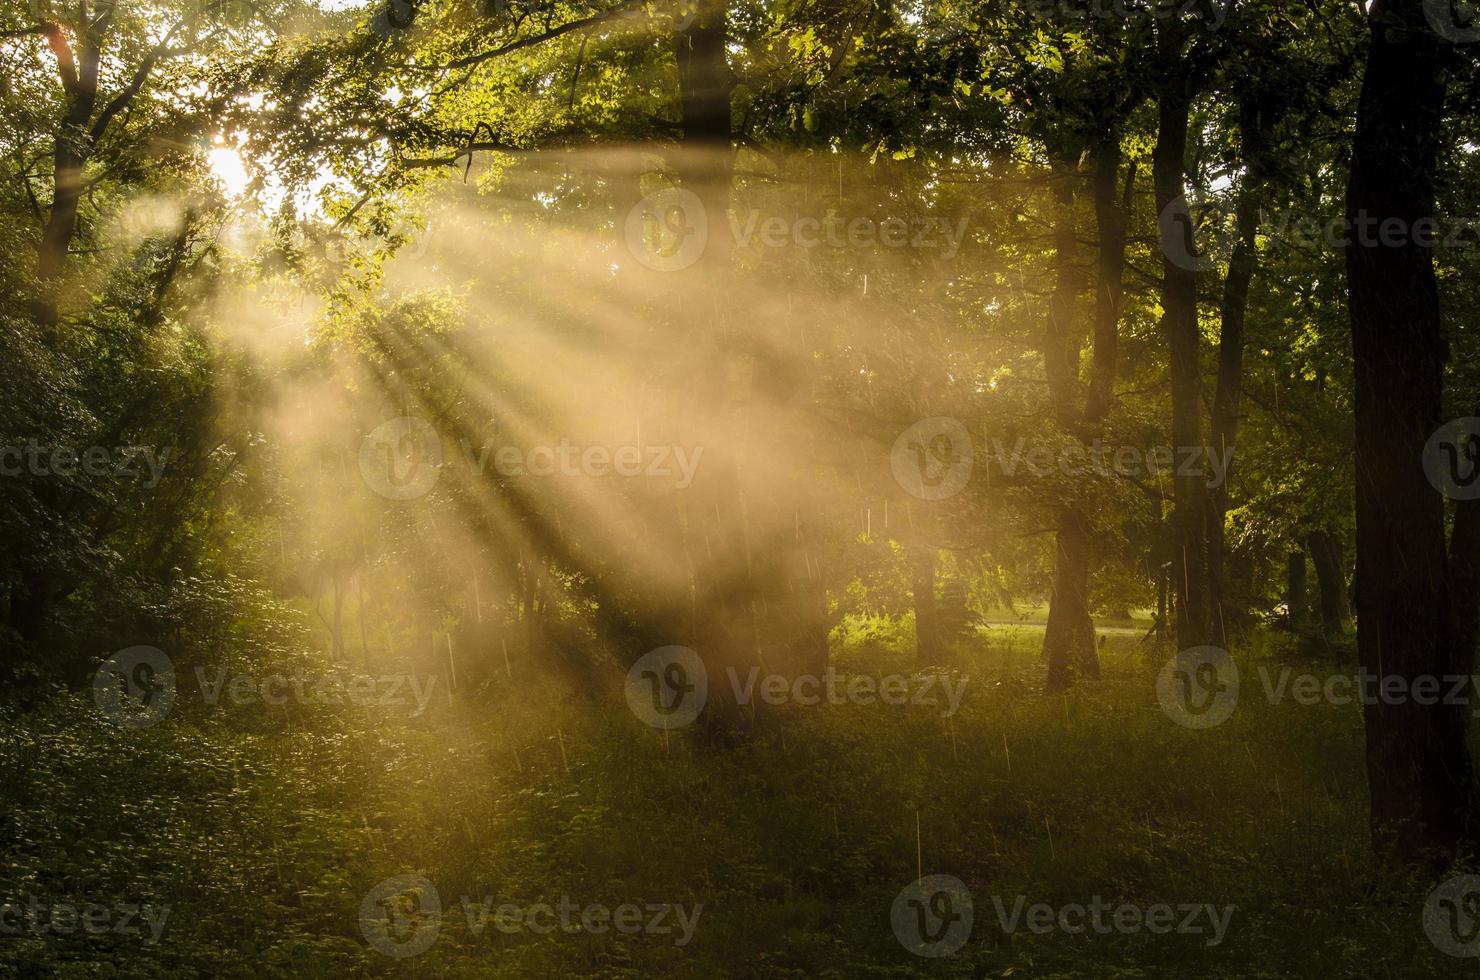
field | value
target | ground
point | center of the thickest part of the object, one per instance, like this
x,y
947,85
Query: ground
x,y
262,833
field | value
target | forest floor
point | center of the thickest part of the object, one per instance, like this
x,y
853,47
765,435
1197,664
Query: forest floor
x,y
262,830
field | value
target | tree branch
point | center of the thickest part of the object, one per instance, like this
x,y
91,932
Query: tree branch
x,y
620,10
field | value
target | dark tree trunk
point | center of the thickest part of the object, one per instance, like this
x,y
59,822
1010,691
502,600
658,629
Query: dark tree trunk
x,y
1235,301
1110,225
723,622
1069,636
70,151
1068,610
1179,326
1161,602
928,648
1295,615
1419,769
1325,555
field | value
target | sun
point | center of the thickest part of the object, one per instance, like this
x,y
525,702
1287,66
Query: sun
x,y
228,169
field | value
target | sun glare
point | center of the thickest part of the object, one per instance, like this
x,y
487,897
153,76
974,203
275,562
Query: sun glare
x,y
227,168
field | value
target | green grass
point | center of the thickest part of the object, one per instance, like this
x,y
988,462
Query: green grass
x,y
263,842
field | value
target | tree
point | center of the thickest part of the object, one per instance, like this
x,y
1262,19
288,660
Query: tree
x,y
1416,595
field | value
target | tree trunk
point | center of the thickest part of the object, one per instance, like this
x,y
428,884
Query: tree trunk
x,y
1069,636
1235,301
1179,326
70,151
1419,769
1068,609
1161,603
723,623
1295,616
928,650
1325,555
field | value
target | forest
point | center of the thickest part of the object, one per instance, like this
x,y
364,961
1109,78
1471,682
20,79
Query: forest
x,y
739,488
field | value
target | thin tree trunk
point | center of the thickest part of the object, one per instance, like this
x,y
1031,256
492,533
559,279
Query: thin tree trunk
x,y
1179,326
1241,267
1325,555
928,652
1295,614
